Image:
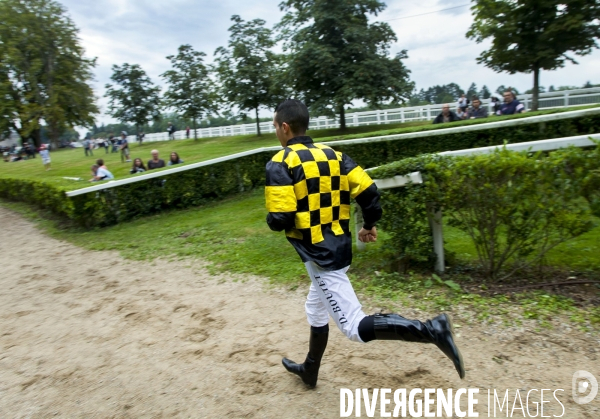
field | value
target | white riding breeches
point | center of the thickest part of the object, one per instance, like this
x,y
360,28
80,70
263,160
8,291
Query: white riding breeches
x,y
331,294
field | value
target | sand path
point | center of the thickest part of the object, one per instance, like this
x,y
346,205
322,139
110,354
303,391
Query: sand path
x,y
88,334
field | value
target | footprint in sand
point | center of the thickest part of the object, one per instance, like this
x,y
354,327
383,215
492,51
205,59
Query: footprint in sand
x,y
196,335
61,289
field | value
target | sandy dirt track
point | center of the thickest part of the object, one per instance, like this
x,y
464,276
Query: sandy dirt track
x,y
90,335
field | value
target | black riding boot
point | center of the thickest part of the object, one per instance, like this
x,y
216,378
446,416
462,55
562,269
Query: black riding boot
x,y
309,370
395,327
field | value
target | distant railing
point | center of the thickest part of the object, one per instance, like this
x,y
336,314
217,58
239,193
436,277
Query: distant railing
x,y
550,100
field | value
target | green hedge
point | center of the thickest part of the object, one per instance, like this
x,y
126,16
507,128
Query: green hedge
x,y
514,205
197,186
114,205
382,152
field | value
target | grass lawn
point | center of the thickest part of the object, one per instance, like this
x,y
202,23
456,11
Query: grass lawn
x,y
579,254
74,163
233,236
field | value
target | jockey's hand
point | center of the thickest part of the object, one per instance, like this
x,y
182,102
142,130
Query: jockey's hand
x,y
367,236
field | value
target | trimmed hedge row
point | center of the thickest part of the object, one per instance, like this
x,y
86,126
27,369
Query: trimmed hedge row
x,y
118,204
199,185
515,206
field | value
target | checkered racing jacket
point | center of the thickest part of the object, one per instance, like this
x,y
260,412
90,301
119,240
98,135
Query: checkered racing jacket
x,y
308,192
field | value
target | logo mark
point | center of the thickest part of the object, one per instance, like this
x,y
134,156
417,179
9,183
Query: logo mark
x,y
584,382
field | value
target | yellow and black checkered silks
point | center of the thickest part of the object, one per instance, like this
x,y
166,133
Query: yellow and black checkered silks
x,y
308,191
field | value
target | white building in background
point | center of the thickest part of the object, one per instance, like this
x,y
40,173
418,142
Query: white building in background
x,y
12,139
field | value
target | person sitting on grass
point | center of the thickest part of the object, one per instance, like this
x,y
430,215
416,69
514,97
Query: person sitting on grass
x,y
45,154
155,162
100,172
174,159
138,166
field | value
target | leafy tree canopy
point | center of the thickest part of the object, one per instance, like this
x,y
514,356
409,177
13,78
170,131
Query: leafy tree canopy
x,y
44,75
337,56
133,97
533,35
248,69
191,91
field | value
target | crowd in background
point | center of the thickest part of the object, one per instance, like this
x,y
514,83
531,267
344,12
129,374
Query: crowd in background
x,y
101,172
509,106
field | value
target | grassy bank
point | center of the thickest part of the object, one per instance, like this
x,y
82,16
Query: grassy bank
x,y
232,235
74,163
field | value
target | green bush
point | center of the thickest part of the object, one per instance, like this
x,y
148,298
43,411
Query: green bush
x,y
515,206
37,193
114,205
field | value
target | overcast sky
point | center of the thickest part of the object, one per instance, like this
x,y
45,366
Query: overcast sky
x,y
145,32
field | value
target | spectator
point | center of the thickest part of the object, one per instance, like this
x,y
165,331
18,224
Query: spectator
x,y
463,102
477,111
113,142
495,105
87,147
105,144
124,147
155,162
100,172
45,154
511,105
187,132
171,130
174,159
460,113
446,116
141,136
138,166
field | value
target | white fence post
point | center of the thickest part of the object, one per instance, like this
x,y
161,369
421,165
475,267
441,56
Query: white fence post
x,y
402,115
435,222
358,222
566,100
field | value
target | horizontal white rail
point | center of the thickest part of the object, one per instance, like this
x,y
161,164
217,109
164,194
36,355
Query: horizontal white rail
x,y
563,99
160,173
421,134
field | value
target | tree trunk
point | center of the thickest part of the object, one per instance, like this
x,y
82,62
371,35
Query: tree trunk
x,y
536,89
194,126
54,137
36,136
342,118
257,122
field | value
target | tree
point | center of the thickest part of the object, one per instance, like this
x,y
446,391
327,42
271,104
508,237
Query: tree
x,y
44,76
133,98
337,56
191,90
472,91
533,35
484,93
248,68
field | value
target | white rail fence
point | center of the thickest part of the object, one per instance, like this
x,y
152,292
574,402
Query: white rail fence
x,y
421,134
435,217
563,99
